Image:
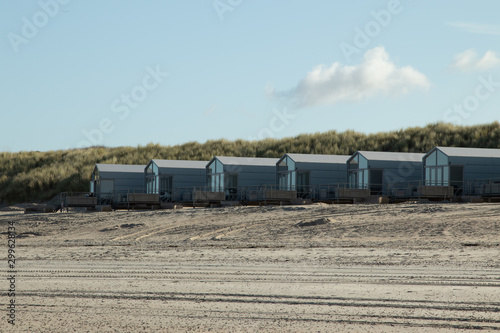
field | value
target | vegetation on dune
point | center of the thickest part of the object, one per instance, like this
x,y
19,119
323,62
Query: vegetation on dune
x,y
35,176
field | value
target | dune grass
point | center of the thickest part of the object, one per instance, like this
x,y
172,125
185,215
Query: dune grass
x,y
38,176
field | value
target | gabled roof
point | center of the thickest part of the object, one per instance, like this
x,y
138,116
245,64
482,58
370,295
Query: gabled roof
x,y
120,168
184,164
391,156
470,152
259,161
316,158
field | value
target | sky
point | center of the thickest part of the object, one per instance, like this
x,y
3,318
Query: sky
x,y
114,73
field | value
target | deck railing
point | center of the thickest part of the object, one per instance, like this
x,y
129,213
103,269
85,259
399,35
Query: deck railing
x,y
273,193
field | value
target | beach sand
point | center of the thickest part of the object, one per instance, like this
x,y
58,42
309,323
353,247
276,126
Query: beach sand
x,y
411,267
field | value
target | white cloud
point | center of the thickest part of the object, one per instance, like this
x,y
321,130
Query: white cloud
x,y
475,28
376,75
469,61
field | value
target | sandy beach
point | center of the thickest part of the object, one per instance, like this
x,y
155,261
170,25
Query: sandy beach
x,y
411,267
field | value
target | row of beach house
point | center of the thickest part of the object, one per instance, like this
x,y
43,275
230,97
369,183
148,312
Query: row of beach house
x,y
444,172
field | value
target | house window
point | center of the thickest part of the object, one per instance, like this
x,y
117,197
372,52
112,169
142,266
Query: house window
x,y
287,174
437,170
96,174
358,172
215,176
151,178
437,176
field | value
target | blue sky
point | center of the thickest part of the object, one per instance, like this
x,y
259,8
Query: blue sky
x,y
127,73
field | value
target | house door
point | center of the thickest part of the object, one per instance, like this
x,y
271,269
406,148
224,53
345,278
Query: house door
x,y
231,186
166,185
457,178
302,183
106,189
376,181
107,186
